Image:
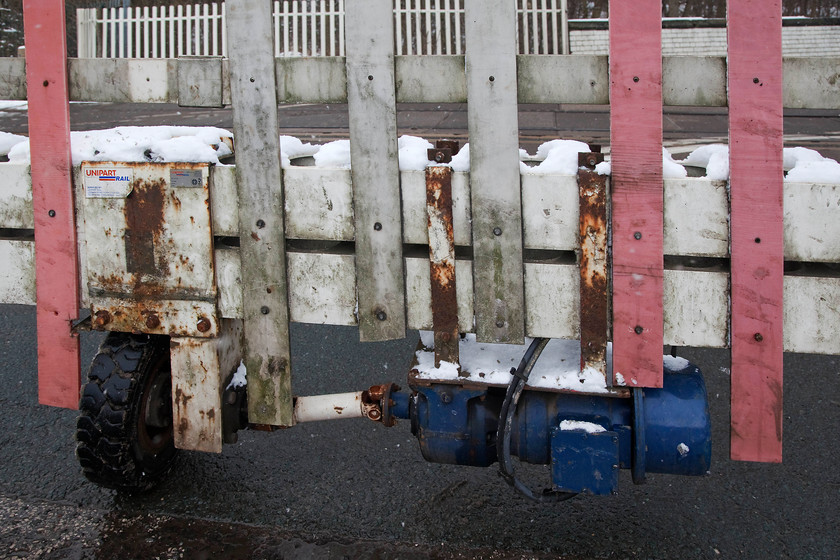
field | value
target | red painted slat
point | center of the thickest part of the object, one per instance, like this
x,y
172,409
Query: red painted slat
x,y
56,268
636,154
755,140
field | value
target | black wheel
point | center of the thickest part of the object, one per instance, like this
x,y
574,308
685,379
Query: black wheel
x,y
124,431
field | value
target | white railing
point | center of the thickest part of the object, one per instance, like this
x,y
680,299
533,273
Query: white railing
x,y
303,28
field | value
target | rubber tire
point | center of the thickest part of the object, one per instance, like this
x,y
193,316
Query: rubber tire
x,y
115,446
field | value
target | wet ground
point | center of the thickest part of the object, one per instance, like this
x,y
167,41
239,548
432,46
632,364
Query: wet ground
x,y
352,489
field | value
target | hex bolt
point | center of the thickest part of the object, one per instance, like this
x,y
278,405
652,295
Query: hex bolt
x,y
260,224
637,235
152,321
497,231
102,318
638,329
203,324
264,310
758,337
377,226
591,161
374,414
381,315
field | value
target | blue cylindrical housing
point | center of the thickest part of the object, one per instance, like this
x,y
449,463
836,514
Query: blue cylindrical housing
x,y
458,425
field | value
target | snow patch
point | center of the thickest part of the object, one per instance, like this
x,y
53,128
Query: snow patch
x,y
413,153
8,141
239,377
675,363
334,154
142,144
577,425
558,156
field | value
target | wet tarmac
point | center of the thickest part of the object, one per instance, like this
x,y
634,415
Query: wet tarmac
x,y
352,489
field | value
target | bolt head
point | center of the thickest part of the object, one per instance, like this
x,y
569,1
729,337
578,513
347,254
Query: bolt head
x,y
638,329
264,310
381,315
497,231
203,325
152,321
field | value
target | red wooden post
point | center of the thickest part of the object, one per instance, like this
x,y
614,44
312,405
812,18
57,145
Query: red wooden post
x,y
56,268
756,180
636,153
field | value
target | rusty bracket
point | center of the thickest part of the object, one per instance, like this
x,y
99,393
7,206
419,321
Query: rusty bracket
x,y
594,264
377,404
442,254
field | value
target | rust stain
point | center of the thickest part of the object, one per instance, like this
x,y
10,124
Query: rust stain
x,y
594,286
442,263
338,409
144,220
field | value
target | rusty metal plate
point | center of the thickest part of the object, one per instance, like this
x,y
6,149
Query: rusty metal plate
x,y
442,260
149,247
594,310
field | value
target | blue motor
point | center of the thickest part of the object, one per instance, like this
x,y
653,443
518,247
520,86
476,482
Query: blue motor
x,y
586,438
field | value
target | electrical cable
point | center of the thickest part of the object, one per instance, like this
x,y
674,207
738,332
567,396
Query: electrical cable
x,y
506,414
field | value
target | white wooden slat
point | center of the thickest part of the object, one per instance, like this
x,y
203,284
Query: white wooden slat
x,y
431,79
319,80
259,187
373,152
812,314
550,212
17,283
15,196
418,294
563,79
694,81
696,307
552,296
415,221
12,78
494,176
696,217
811,82
200,81
810,218
200,367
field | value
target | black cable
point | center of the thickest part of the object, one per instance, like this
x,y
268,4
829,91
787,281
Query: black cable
x,y
506,414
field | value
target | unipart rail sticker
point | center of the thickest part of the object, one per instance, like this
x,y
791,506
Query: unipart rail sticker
x,y
186,178
108,182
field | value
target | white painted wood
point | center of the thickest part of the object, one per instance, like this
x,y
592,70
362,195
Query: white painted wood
x,y
259,187
550,209
696,305
811,218
696,217
418,293
229,281
322,288
224,202
15,196
812,314
199,368
375,169
415,226
319,204
552,296
17,283
494,171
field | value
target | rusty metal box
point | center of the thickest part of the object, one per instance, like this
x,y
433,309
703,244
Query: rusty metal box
x,y
149,247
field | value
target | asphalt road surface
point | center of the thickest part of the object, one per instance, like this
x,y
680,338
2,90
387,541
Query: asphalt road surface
x,y
352,489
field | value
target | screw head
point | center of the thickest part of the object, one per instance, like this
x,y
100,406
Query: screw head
x,y
497,231
102,318
445,398
500,324
260,224
638,329
377,226
756,80
264,310
636,79
758,337
637,235
381,315
46,83
153,322
203,324
51,213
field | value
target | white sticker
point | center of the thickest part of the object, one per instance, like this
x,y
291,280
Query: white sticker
x,y
108,182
